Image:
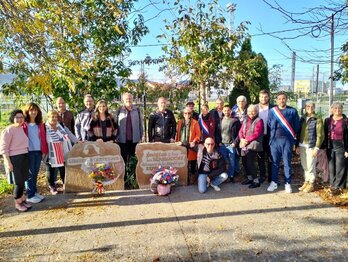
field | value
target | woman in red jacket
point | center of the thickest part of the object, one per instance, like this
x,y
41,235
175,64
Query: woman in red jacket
x,y
250,142
35,130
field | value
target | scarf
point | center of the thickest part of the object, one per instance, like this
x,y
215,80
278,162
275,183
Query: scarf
x,y
58,145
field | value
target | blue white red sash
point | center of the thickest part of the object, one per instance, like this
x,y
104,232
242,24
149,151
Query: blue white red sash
x,y
203,126
284,123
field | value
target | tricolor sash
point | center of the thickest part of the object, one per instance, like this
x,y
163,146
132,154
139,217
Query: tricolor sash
x,y
283,122
203,126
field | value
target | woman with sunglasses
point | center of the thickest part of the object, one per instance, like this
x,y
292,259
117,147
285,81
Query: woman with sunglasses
x,y
188,134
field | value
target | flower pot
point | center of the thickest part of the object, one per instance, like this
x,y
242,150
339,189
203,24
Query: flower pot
x,y
163,190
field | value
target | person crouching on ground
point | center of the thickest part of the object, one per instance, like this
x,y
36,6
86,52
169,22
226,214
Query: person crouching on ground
x,y
211,167
309,140
14,148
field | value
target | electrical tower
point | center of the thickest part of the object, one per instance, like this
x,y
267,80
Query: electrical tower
x,y
231,7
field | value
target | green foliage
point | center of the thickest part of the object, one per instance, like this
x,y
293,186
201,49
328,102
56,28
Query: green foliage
x,y
251,74
68,48
201,45
275,77
130,180
5,187
342,72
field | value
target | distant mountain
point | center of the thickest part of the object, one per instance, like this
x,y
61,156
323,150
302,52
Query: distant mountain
x,y
6,78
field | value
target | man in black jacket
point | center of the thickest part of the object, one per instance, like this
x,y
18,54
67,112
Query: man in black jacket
x,y
212,167
162,124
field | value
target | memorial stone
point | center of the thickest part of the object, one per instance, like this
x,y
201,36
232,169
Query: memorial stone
x,y
77,179
151,155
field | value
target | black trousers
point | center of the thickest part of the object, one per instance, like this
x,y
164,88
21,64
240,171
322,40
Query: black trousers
x,y
127,150
249,164
52,174
265,157
19,174
338,165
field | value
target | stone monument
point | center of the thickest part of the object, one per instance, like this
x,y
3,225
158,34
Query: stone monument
x,y
76,178
151,155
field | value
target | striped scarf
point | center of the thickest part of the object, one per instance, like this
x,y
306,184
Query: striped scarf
x,y
58,145
203,126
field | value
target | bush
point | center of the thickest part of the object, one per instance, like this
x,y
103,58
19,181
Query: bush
x,y
5,187
130,176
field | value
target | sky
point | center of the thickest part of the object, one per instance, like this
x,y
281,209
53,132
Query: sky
x,y
260,15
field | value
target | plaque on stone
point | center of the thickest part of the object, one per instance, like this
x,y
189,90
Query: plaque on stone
x,y
152,155
86,154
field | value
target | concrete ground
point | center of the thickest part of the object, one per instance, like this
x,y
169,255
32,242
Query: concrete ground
x,y
236,224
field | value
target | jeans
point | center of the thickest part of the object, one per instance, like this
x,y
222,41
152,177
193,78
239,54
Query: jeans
x,y
229,154
35,158
216,180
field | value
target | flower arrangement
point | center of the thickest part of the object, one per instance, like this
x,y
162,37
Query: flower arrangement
x,y
165,175
102,173
162,180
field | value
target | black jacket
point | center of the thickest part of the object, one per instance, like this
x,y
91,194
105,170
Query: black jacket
x,y
162,126
327,144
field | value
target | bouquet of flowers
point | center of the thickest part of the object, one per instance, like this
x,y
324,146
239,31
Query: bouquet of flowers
x,y
162,180
101,174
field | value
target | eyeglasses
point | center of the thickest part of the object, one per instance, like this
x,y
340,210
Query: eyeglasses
x,y
209,144
19,117
187,113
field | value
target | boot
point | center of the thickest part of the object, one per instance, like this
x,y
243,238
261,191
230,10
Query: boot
x,y
309,188
305,184
19,206
24,202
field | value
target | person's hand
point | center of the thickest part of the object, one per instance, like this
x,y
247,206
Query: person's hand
x,y
315,152
99,140
43,157
178,143
8,165
233,145
192,144
172,140
345,154
297,150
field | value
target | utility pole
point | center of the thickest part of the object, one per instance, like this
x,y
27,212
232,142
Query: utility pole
x,y
332,61
292,87
317,82
142,79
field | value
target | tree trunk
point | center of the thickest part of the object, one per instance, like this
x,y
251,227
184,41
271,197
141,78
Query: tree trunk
x,y
203,93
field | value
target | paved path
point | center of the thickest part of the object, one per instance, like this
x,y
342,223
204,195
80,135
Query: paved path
x,y
236,224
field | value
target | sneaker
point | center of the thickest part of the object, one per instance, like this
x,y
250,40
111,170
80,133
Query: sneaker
x,y
39,196
309,188
272,186
216,188
305,184
34,199
53,190
288,188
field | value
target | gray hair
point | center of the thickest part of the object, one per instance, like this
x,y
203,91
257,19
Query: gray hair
x,y
253,107
241,97
310,103
336,104
126,94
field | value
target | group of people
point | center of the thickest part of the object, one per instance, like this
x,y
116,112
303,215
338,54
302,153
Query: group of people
x,y
260,135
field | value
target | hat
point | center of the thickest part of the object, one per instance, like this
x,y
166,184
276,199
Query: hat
x,y
190,103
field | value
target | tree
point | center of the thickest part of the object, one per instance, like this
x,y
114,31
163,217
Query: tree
x,y
67,48
275,77
251,74
201,46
